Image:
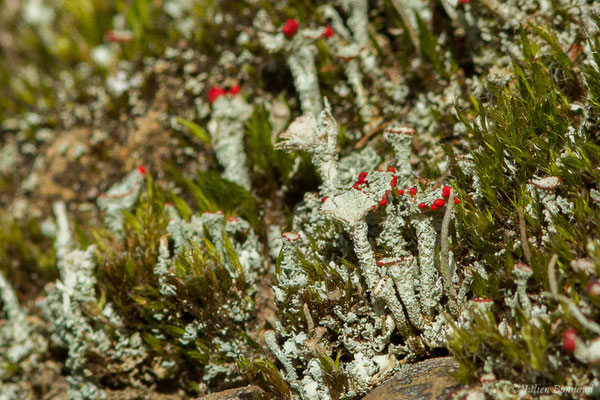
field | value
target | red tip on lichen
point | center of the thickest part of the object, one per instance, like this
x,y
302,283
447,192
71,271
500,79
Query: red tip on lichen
x,y
482,300
362,176
142,170
422,205
290,27
327,32
456,201
383,201
487,378
117,37
547,183
392,170
439,203
291,236
569,336
434,207
215,92
110,36
593,288
413,191
356,186
402,130
234,89
523,267
446,191
324,198
394,181
218,212
401,192
464,1
262,334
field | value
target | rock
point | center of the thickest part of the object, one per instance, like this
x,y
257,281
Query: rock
x,y
429,379
245,393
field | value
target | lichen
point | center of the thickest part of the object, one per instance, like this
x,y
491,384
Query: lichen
x,y
367,184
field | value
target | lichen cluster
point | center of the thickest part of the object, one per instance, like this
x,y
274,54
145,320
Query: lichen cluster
x,y
301,196
340,294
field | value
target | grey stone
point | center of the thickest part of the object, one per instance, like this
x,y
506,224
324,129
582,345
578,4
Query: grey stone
x,y
429,379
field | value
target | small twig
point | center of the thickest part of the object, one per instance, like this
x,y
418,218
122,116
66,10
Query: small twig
x,y
438,182
551,275
369,135
523,231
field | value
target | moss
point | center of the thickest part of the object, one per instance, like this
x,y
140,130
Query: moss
x,y
518,134
209,300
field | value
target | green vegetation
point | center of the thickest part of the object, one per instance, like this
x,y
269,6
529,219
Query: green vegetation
x,y
518,135
208,299
505,111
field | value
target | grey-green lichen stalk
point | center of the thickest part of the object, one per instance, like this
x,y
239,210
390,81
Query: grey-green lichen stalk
x,y
300,52
353,49
318,137
20,343
402,293
63,306
121,196
226,128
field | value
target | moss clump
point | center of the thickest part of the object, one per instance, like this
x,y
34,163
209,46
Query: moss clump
x,y
540,123
200,328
